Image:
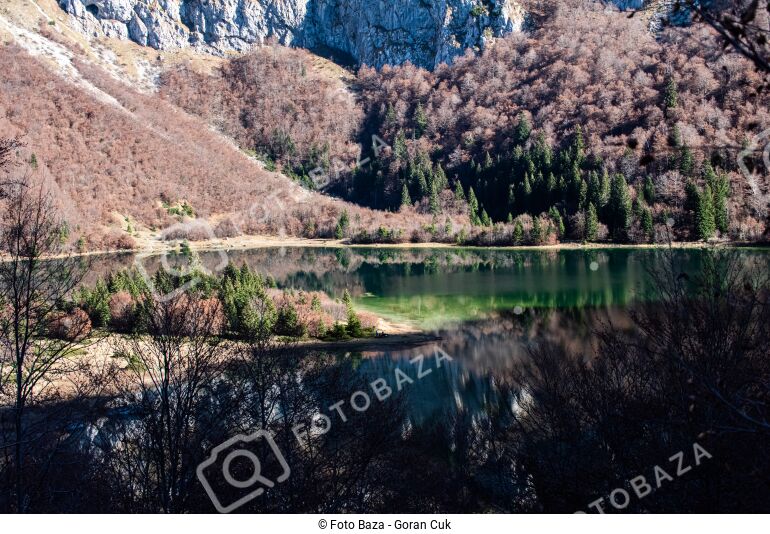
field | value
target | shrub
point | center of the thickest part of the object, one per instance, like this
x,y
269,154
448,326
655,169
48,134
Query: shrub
x,y
70,326
338,333
124,312
287,321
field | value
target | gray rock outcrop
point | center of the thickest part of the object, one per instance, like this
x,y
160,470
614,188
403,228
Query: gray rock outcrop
x,y
374,32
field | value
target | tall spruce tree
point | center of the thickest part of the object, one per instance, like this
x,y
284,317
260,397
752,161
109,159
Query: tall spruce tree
x,y
670,95
459,192
704,215
518,232
420,121
592,223
434,204
619,208
523,130
473,208
406,200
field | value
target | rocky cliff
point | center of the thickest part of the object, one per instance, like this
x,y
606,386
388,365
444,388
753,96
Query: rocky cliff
x,y
374,32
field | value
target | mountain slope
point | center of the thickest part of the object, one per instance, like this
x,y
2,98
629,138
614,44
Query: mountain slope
x,y
121,158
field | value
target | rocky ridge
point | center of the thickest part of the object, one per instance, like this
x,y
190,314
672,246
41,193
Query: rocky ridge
x,y
373,32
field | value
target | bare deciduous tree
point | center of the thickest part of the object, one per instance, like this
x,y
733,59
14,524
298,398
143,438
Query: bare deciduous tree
x,y
35,280
173,368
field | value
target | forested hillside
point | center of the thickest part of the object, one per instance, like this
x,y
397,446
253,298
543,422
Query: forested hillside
x,y
585,127
589,127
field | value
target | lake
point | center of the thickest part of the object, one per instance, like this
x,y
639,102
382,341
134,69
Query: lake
x,y
488,306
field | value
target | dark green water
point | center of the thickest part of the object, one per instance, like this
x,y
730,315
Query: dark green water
x,y
433,288
489,307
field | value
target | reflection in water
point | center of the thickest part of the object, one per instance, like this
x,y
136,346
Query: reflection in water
x,y
433,287
526,416
484,350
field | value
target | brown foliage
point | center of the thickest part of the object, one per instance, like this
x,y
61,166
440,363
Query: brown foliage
x,y
113,150
123,311
272,100
70,326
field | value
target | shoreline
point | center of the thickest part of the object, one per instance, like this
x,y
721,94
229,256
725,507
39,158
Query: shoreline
x,y
153,247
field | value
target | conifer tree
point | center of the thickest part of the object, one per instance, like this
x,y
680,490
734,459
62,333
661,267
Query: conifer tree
x,y
646,223
649,191
390,116
399,147
676,137
473,208
557,219
459,192
518,232
485,220
439,178
704,215
434,204
536,235
605,189
342,225
487,162
686,161
420,121
523,130
592,223
720,189
353,327
422,183
406,200
671,95
619,208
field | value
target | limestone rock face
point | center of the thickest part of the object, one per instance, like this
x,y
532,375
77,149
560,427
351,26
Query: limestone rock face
x,y
373,32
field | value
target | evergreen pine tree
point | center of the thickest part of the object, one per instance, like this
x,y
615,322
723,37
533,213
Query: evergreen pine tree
x,y
526,187
646,223
485,220
592,223
523,130
671,95
422,183
473,208
605,189
435,205
557,219
676,137
582,194
399,147
342,225
536,235
439,178
459,192
704,215
487,162
390,116
353,326
721,190
686,161
406,200
518,233
648,191
420,120
619,208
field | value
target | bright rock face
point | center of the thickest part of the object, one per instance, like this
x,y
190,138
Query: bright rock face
x,y
373,32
